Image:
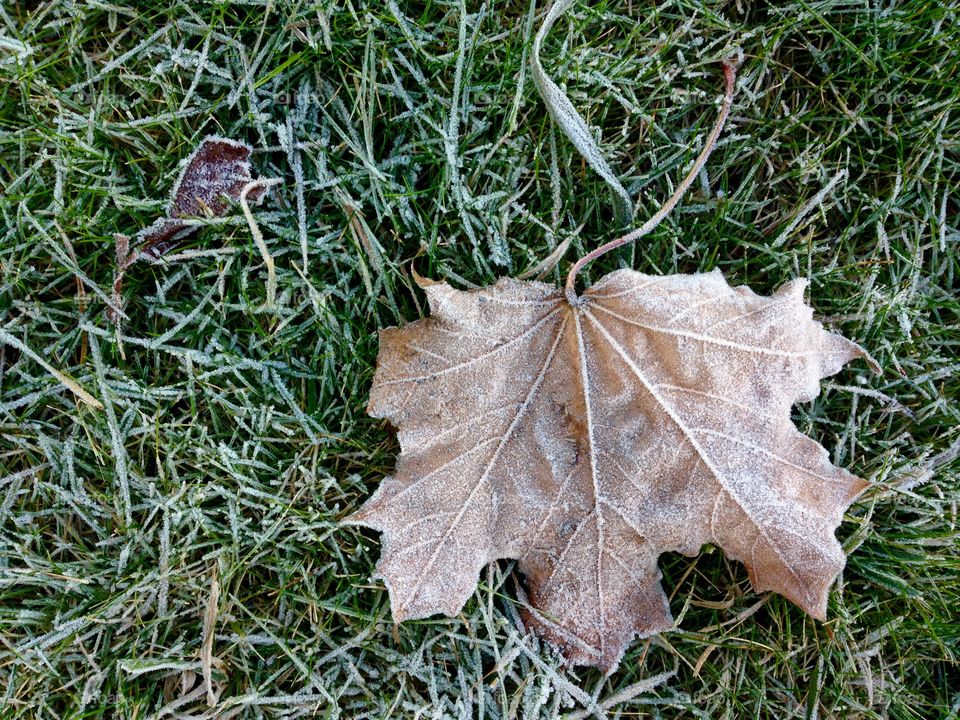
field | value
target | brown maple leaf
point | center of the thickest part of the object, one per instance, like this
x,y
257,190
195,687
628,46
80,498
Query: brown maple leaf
x,y
583,436
584,441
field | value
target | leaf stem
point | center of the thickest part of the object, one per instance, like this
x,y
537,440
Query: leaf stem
x,y
730,73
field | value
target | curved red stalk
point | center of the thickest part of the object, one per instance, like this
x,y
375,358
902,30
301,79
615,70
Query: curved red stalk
x,y
730,73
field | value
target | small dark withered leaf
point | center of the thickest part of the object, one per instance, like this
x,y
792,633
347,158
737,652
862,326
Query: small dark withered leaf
x,y
212,178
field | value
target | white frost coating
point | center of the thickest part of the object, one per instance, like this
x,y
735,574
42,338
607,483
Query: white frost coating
x,y
566,116
216,171
120,457
585,441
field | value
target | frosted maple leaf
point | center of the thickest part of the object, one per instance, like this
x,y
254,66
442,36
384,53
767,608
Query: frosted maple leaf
x,y
583,436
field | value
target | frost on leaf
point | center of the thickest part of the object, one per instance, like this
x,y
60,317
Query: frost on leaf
x,y
585,440
213,176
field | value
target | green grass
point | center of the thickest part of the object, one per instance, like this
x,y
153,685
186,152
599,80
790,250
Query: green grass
x,y
233,436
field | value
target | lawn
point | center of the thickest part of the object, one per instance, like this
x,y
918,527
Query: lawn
x,y
184,519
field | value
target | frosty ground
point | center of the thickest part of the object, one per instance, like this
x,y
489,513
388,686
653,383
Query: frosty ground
x,y
190,526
